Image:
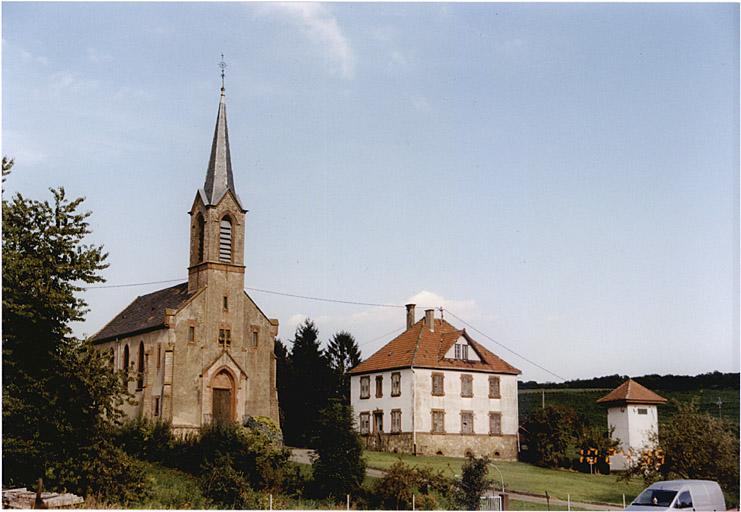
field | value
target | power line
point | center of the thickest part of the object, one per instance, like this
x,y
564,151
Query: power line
x,y
381,336
505,346
354,303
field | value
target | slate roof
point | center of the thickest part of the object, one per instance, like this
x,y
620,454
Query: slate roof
x,y
219,177
146,313
422,348
630,392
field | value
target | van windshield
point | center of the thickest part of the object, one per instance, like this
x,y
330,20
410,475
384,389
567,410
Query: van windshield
x,y
655,498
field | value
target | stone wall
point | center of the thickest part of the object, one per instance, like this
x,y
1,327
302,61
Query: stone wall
x,y
449,445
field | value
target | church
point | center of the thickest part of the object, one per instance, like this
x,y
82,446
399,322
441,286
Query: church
x,y
200,351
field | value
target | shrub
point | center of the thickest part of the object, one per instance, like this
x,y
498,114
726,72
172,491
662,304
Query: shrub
x,y
550,432
226,487
146,439
596,438
401,482
339,467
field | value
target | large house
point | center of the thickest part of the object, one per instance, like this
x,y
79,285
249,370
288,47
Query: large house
x,y
435,390
201,351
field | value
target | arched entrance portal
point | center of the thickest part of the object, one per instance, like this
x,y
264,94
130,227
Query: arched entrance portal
x,y
222,388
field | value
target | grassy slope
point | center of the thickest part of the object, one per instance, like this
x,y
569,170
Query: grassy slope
x,y
583,401
519,476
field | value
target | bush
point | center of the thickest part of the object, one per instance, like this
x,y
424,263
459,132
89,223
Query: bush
x,y
226,487
146,439
550,432
473,483
600,439
339,467
395,490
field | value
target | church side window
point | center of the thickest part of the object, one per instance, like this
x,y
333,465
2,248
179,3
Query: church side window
x,y
225,337
225,240
201,227
254,339
126,359
191,333
159,356
156,406
140,367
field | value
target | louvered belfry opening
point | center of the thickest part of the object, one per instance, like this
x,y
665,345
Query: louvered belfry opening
x,y
225,240
201,227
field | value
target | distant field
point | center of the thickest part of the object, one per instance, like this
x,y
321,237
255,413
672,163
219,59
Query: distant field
x,y
584,402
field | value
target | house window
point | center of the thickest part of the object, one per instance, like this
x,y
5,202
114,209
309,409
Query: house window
x,y
396,421
467,386
395,384
225,240
494,388
365,387
495,423
254,339
378,422
642,411
438,422
191,334
140,367
466,422
226,303
364,423
379,386
438,384
225,337
156,406
461,351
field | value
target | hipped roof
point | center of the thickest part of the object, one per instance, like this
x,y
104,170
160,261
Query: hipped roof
x,y
630,392
419,347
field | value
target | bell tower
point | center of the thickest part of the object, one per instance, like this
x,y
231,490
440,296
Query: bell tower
x,y
217,217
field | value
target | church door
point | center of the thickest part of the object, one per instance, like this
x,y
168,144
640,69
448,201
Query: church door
x,y
223,395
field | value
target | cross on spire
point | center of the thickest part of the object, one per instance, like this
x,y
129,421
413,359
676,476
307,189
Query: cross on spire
x,y
223,66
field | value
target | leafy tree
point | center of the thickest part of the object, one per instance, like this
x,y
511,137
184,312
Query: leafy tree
x,y
400,482
343,354
339,467
600,439
60,395
474,482
550,431
309,386
695,445
283,374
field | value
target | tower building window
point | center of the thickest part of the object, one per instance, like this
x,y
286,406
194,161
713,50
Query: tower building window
x,y
201,227
225,240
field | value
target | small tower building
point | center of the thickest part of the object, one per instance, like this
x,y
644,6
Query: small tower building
x,y
634,418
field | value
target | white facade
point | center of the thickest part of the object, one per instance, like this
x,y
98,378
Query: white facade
x,y
634,425
416,403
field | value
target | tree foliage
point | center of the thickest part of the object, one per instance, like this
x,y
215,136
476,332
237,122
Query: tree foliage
x,y
695,445
343,355
395,489
339,467
550,432
60,395
473,483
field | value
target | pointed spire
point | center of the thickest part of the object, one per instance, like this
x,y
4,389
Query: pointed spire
x,y
219,176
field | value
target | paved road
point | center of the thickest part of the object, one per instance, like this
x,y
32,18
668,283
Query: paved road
x,y
304,456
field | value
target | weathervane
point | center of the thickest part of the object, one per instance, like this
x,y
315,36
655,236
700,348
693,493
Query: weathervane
x,y
222,65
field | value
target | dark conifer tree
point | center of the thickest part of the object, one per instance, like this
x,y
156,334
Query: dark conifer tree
x,y
343,354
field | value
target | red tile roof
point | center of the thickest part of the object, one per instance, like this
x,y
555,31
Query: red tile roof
x,y
422,348
630,392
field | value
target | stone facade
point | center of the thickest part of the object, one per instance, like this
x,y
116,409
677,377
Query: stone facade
x,y
206,347
450,445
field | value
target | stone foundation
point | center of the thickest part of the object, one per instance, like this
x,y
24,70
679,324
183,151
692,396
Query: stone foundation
x,y
449,445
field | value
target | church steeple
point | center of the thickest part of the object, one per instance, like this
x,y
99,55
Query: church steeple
x,y
219,176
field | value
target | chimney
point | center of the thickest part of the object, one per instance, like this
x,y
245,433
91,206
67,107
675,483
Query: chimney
x,y
410,315
430,319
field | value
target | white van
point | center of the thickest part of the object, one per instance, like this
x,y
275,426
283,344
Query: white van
x,y
702,495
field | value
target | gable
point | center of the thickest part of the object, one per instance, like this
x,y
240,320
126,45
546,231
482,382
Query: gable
x,y
457,350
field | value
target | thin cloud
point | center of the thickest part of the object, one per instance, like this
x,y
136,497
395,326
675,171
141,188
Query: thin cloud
x,y
97,57
320,26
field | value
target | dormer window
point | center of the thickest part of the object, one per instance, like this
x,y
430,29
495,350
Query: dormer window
x,y
461,351
225,240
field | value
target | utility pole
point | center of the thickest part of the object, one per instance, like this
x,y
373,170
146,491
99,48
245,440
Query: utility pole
x,y
542,398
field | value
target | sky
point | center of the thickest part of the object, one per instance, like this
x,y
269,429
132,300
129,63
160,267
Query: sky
x,y
563,178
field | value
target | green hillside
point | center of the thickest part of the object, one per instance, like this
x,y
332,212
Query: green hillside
x,y
584,402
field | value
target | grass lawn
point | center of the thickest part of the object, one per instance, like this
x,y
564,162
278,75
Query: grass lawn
x,y
519,476
527,505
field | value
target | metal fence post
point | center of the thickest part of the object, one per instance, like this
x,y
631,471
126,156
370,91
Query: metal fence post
x,y
623,500
348,502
